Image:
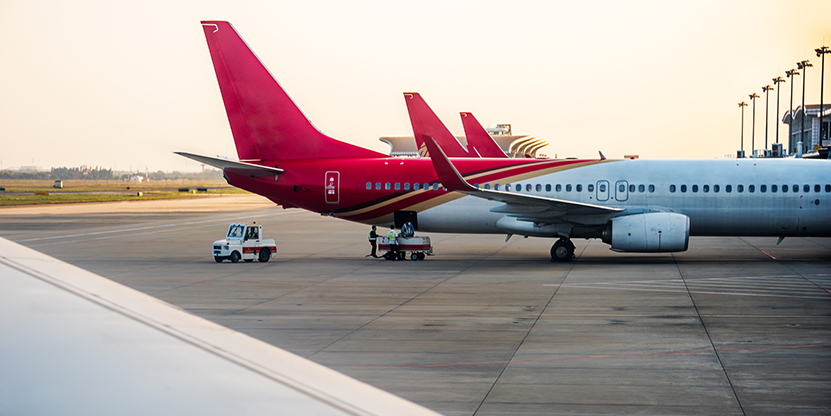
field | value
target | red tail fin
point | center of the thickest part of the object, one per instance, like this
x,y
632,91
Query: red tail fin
x,y
426,123
265,122
478,139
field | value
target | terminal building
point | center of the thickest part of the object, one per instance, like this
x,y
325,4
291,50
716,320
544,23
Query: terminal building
x,y
513,145
805,140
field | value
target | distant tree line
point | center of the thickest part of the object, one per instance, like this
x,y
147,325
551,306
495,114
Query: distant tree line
x,y
64,173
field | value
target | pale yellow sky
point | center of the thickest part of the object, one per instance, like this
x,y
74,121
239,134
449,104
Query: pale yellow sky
x,y
124,85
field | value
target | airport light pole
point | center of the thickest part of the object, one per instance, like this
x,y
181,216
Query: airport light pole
x,y
791,73
765,89
803,65
821,53
753,98
742,105
776,82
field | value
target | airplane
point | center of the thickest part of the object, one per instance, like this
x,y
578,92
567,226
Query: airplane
x,y
75,343
634,205
479,139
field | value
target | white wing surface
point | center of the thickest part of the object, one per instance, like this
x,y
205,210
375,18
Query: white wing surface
x,y
74,343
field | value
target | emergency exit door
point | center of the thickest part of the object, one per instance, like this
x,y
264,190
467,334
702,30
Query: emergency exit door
x,y
331,187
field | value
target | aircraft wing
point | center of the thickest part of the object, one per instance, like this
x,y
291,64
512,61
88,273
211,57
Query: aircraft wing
x,y
74,343
516,204
234,166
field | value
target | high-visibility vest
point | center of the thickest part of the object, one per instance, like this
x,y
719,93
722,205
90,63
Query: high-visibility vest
x,y
371,238
391,236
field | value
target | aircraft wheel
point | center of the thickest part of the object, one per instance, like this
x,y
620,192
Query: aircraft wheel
x,y
218,259
562,250
265,254
413,256
421,256
235,257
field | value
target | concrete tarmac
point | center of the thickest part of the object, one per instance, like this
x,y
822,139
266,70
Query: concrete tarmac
x,y
484,327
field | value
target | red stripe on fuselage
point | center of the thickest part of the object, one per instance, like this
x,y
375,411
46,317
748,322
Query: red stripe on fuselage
x,y
302,184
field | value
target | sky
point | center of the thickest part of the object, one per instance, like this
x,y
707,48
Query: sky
x,y
123,85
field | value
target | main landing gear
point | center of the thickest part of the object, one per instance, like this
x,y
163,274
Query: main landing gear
x,y
562,250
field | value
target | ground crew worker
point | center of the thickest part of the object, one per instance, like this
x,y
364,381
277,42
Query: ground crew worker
x,y
393,241
372,241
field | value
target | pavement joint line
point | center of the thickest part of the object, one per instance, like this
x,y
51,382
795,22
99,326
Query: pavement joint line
x,y
710,338
527,333
149,227
699,292
590,357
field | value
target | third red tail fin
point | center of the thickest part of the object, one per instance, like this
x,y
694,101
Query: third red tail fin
x,y
478,139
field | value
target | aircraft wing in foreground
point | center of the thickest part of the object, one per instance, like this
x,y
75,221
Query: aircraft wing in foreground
x,y
76,343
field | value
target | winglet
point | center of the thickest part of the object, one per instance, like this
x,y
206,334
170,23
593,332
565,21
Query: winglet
x,y
426,123
602,156
447,173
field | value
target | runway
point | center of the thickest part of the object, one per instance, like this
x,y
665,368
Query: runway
x,y
733,326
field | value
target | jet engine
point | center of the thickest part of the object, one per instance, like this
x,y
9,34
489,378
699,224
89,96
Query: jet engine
x,y
648,233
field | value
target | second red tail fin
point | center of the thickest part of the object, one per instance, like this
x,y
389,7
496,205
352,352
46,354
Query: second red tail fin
x,y
265,122
426,123
478,139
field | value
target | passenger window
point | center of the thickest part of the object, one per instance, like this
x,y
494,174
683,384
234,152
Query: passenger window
x,y
487,186
784,188
528,187
695,188
507,187
827,188
476,185
435,186
751,188
763,188
728,188
579,188
369,185
387,186
602,188
417,186
568,188
683,188
641,188
397,186
796,188
426,186
651,188
715,188
774,188
538,188
377,186
631,188
739,188
706,188
806,188
406,186
518,187
558,188
672,188
621,188
816,188
591,188
548,187
496,187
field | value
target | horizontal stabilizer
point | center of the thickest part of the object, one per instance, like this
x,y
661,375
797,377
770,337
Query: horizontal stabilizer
x,y
234,166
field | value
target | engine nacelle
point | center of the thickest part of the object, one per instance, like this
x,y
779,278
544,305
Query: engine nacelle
x,y
648,233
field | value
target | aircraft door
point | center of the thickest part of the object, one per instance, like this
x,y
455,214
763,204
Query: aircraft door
x,y
331,187
602,190
621,190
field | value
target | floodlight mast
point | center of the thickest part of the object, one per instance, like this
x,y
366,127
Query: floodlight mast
x,y
765,89
742,105
821,54
803,65
791,73
753,98
776,82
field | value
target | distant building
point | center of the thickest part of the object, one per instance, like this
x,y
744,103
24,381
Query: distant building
x,y
809,135
513,146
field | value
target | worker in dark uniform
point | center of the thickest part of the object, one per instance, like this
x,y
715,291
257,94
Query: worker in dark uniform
x,y
372,241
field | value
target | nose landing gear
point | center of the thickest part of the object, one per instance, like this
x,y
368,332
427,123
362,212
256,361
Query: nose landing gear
x,y
562,250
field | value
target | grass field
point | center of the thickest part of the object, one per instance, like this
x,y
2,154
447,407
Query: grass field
x,y
22,191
